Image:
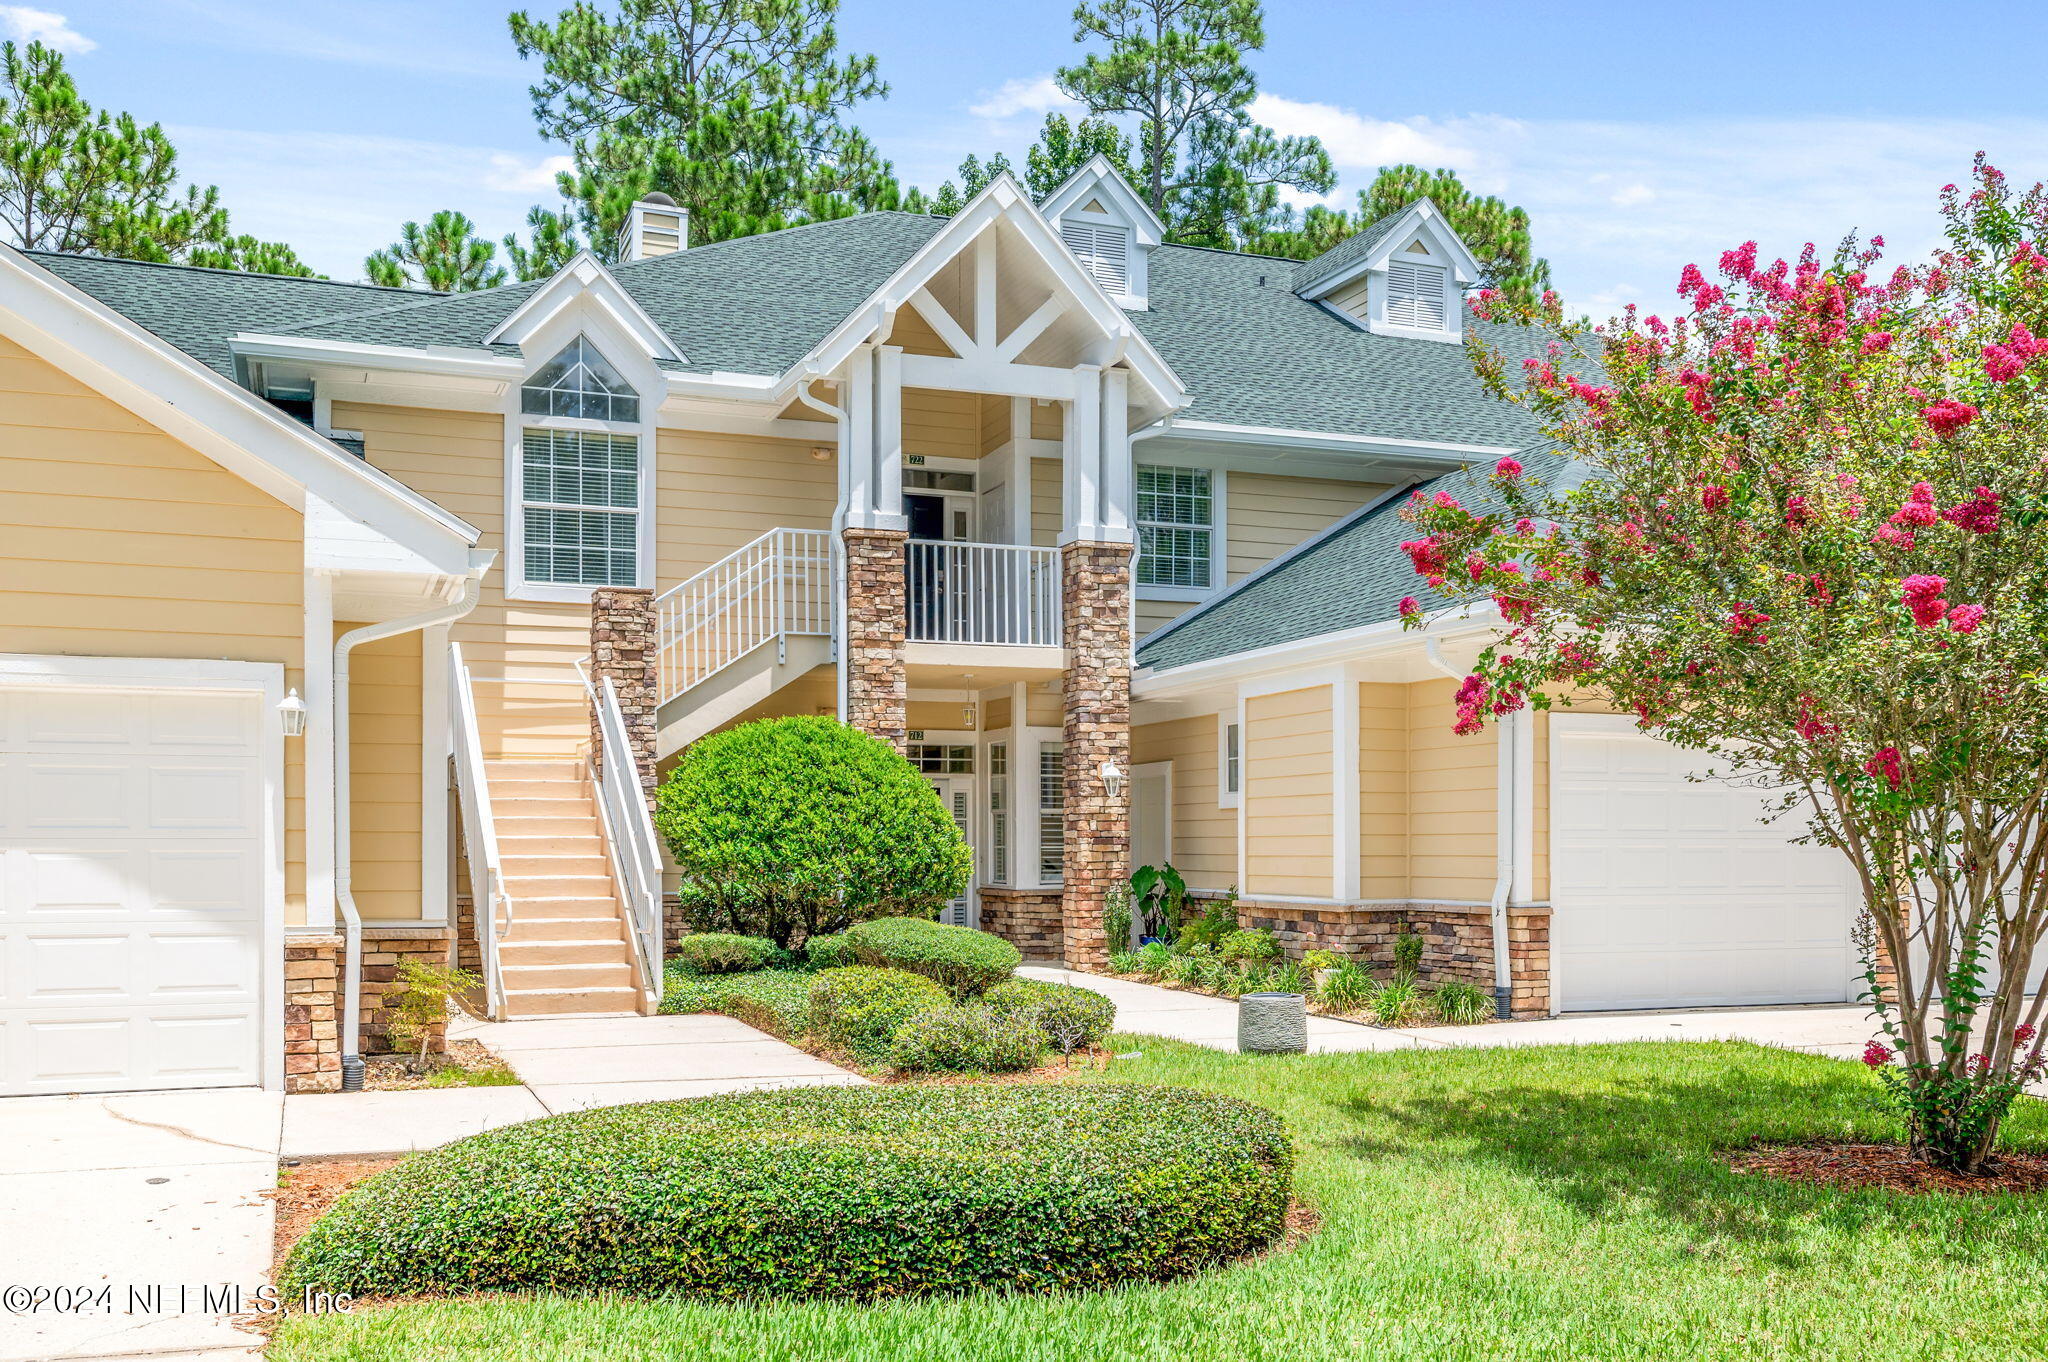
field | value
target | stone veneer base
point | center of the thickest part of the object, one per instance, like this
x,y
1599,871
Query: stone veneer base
x,y
1029,919
312,998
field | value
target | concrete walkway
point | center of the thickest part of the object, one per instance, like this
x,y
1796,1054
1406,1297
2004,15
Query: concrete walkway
x,y
142,1193
568,1064
1147,1009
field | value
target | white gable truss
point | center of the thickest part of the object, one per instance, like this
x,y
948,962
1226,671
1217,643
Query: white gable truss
x,y
1012,304
228,424
585,282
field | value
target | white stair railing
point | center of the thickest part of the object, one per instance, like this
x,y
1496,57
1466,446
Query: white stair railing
x,y
628,834
982,593
490,906
779,584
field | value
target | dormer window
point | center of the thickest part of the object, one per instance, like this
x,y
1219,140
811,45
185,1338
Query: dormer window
x,y
1415,295
579,382
1104,250
1108,228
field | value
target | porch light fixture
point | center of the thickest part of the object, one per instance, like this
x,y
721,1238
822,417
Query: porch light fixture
x,y
291,715
967,715
1112,779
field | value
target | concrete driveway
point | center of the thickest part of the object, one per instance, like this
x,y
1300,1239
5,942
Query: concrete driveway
x,y
128,1209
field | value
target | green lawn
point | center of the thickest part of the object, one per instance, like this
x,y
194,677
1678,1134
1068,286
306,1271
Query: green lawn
x,y
1494,1205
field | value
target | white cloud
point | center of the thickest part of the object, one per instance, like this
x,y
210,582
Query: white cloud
x,y
24,25
1356,142
520,175
1630,195
1034,95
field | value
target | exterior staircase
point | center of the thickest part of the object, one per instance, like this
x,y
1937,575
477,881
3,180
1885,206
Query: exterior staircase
x,y
567,951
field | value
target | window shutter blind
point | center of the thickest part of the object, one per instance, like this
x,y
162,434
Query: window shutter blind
x,y
1103,251
1415,295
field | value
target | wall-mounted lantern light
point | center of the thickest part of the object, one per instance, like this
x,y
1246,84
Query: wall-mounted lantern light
x,y
291,715
1112,779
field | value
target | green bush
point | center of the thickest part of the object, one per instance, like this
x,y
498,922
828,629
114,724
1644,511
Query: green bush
x,y
1347,988
789,827
1253,945
1124,962
859,1009
1070,1018
1153,957
829,952
965,961
773,1000
724,953
864,1192
1218,920
1462,1002
969,1039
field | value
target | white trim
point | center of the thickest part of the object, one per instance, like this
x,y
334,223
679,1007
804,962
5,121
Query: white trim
x,y
1244,780
1219,538
318,755
267,680
436,848
228,424
433,363
1226,432
1344,786
585,280
1421,218
1226,797
1475,619
1155,769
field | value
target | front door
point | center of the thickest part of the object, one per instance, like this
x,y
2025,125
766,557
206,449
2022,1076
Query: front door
x,y
957,794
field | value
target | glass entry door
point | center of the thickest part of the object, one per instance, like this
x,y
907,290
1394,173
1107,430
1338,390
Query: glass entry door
x,y
957,794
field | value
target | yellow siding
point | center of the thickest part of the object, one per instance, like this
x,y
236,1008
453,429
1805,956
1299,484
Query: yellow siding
x,y
1046,509
384,748
917,336
948,715
716,493
1350,300
942,423
1268,515
118,541
996,713
1204,836
1287,779
1451,794
995,423
1047,418
1383,823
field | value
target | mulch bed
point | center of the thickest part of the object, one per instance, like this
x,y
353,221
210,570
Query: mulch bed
x,y
397,1072
309,1188
1888,1167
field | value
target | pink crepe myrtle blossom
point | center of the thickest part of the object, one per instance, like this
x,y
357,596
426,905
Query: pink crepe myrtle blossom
x,y
2023,1033
1877,1054
1410,608
1947,417
1746,621
2001,365
1508,467
1713,497
1473,696
1964,619
1918,512
1797,512
1978,515
1921,594
1887,765
1427,556
1892,537
1811,726
1475,566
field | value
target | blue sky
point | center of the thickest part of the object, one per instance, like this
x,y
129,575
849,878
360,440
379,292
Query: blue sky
x,y
1639,136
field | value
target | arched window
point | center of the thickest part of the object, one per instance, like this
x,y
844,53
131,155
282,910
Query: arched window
x,y
580,382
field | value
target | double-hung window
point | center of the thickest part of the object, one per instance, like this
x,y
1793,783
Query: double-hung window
x,y
580,474
998,813
1052,813
1176,527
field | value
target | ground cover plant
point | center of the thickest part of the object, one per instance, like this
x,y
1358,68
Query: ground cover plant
x,y
1566,1204
821,1193
1804,530
962,960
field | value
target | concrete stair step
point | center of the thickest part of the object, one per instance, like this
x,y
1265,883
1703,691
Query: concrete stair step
x,y
523,887
533,806
531,768
545,825
574,975
547,1002
553,865
539,789
581,951
604,926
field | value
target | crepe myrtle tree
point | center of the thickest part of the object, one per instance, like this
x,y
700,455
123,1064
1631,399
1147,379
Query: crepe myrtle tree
x,y
1812,540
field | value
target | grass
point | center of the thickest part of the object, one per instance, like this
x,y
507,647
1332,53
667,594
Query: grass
x,y
1541,1203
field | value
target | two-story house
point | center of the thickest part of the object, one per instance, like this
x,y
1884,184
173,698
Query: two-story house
x,y
323,608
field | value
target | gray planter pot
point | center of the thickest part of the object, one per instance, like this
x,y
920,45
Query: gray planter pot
x,y
1272,1024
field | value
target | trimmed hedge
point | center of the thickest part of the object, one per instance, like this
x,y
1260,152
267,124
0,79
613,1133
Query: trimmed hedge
x,y
829,952
859,1009
967,962
821,1192
775,1000
726,953
1069,1018
966,1040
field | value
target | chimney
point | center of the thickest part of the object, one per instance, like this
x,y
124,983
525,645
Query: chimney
x,y
654,226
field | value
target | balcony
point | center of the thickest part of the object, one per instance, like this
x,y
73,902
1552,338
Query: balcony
x,y
982,594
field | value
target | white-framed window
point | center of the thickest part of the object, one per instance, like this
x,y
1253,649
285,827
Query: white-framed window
x,y
580,480
998,813
941,758
1178,535
1052,813
1104,250
1415,295
1229,763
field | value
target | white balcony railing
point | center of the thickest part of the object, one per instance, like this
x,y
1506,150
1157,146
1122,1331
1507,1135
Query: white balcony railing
x,y
982,593
779,584
490,907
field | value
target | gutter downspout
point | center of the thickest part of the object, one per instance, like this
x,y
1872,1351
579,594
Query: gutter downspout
x,y
1507,783
344,858
837,415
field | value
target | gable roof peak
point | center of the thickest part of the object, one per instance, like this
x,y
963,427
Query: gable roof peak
x,y
1098,178
1363,248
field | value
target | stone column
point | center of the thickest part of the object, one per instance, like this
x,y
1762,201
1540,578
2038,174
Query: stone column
x,y
625,646
1097,625
877,687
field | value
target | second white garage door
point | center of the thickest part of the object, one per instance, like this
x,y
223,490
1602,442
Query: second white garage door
x,y
133,854
1669,893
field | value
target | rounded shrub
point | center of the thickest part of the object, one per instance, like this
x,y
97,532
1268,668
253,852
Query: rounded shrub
x,y
829,951
1252,945
965,961
788,827
1069,1018
966,1039
821,1192
859,1009
725,953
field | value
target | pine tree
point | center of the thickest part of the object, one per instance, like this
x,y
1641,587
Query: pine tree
x,y
551,243
73,178
446,255
734,108
1178,68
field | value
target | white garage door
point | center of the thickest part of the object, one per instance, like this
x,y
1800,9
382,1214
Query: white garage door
x,y
1668,893
132,886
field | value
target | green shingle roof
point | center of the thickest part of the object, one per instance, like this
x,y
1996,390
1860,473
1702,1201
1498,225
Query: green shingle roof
x,y
197,309
1354,576
1250,351
1345,253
